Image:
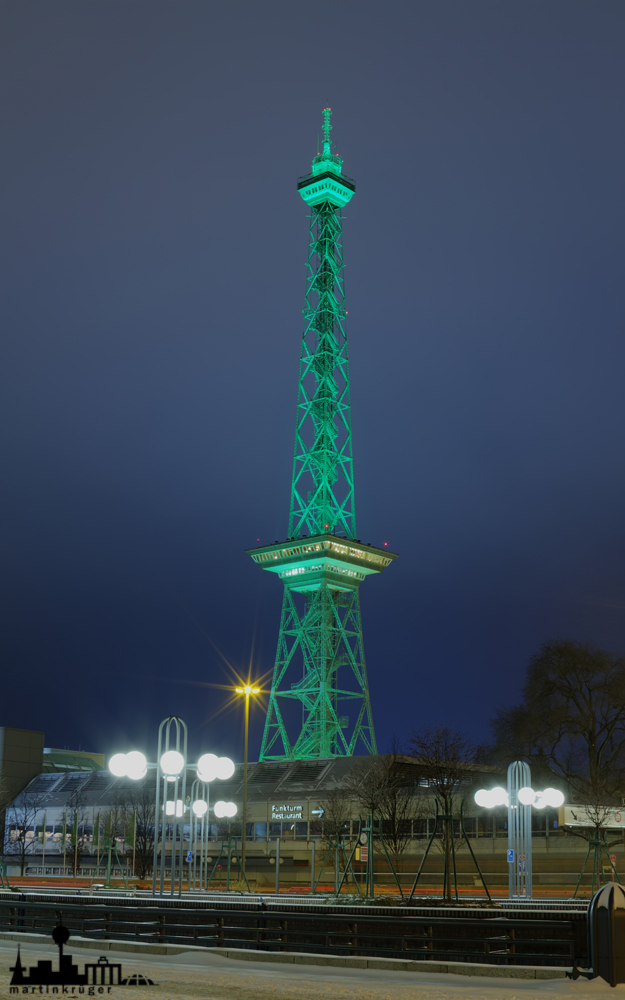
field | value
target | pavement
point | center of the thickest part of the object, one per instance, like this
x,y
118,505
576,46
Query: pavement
x,y
204,974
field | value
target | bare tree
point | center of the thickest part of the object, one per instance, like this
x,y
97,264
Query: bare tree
x,y
6,797
448,758
140,811
20,827
384,790
335,820
227,827
570,724
76,819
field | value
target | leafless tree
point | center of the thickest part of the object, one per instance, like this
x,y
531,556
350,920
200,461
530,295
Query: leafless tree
x,y
448,758
21,819
228,828
76,819
570,724
335,820
140,812
6,798
385,791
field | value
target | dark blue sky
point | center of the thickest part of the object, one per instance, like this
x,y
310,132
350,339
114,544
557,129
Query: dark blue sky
x,y
152,278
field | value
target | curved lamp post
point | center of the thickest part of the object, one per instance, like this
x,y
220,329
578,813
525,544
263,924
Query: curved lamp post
x,y
209,767
519,798
171,798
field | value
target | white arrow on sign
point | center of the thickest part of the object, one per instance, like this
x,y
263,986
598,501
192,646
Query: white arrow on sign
x,y
318,812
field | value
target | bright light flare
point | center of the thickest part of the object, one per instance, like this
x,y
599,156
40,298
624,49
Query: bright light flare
x,y
200,808
172,762
128,765
499,796
137,765
177,807
553,797
482,798
207,767
526,796
210,767
118,765
225,768
490,798
225,809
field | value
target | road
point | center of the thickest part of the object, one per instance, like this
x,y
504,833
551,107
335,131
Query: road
x,y
210,977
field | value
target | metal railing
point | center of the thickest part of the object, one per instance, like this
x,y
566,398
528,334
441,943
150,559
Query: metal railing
x,y
465,936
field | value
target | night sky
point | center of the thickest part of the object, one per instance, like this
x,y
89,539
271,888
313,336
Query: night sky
x,y
152,280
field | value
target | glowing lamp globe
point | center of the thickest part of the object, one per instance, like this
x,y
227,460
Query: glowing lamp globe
x,y
136,765
174,807
541,801
200,808
118,765
207,767
553,797
526,796
172,762
225,768
482,798
223,809
499,796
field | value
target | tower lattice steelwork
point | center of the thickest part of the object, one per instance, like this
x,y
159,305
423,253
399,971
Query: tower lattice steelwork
x,y
320,662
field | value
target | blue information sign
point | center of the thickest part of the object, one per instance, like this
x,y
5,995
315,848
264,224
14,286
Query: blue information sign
x,y
510,856
189,857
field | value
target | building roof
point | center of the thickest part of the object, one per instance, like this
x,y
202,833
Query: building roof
x,y
266,780
55,761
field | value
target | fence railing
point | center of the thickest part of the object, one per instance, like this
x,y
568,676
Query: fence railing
x,y
465,936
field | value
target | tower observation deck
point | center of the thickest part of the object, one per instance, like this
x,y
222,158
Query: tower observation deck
x,y
320,671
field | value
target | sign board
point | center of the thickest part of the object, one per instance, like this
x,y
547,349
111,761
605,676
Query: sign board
x,y
510,857
287,812
589,816
363,853
189,857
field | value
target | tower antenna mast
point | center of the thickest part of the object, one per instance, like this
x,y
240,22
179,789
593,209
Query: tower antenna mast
x,y
319,705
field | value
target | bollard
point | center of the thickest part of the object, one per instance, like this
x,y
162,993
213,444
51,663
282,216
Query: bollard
x,y
606,934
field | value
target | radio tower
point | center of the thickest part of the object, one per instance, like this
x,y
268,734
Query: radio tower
x,y
320,665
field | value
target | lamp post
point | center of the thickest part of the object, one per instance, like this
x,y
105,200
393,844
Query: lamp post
x,y
172,759
209,767
247,691
171,776
519,801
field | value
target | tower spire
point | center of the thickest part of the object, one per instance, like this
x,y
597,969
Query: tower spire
x,y
320,665
327,128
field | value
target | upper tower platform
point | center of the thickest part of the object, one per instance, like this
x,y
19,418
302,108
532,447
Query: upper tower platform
x,y
325,182
308,563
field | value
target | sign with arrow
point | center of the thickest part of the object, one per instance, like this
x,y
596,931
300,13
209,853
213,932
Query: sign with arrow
x,y
317,812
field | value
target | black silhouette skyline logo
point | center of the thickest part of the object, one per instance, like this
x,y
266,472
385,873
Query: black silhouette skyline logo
x,y
98,978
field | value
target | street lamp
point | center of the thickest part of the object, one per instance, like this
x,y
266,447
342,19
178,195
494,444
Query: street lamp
x,y
519,798
209,767
247,691
490,798
171,786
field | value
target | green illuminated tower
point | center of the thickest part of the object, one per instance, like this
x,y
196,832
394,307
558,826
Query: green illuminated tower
x,y
320,668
